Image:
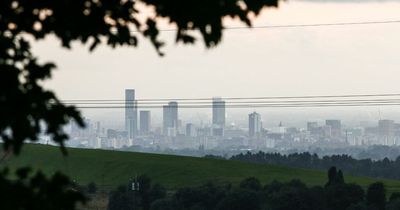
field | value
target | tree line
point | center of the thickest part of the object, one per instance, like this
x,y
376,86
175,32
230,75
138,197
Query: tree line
x,y
250,194
384,168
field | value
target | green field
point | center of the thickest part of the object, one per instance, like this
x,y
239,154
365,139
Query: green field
x,y
111,168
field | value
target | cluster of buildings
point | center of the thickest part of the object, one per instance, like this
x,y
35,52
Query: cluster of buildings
x,y
138,131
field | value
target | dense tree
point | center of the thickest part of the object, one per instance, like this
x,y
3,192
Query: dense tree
x,y
394,196
332,173
48,193
148,192
335,177
295,195
164,204
240,200
251,183
376,196
122,199
92,188
140,193
358,206
205,196
248,195
393,205
384,168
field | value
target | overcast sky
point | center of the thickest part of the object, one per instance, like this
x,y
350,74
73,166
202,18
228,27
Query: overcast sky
x,y
357,59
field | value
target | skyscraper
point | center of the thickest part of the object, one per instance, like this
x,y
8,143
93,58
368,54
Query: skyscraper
x,y
313,128
218,112
190,130
336,127
144,122
254,124
130,113
386,127
386,131
170,118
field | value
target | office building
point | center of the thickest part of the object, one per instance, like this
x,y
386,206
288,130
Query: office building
x,y
313,128
218,112
386,131
145,122
254,124
130,113
218,117
336,127
386,127
170,118
190,130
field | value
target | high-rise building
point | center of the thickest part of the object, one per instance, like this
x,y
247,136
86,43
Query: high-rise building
x,y
130,113
218,113
190,130
254,124
386,130
386,127
336,127
98,128
144,122
170,118
313,128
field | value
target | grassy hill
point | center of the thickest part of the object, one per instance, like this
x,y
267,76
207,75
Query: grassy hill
x,y
111,168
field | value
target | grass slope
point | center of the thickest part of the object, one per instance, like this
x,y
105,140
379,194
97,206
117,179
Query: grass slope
x,y
111,168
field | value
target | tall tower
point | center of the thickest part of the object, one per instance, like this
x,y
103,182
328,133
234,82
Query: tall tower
x,y
218,112
336,127
144,122
386,131
130,113
170,118
254,124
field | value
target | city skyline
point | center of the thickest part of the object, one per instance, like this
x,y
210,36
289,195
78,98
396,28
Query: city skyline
x,y
172,124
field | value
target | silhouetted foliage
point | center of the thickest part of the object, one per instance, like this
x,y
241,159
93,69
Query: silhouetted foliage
x,y
92,188
335,177
358,206
140,193
26,108
251,195
393,205
164,204
394,196
376,196
294,194
206,196
251,183
36,192
122,198
240,199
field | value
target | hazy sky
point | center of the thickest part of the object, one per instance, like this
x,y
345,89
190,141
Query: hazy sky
x,y
362,59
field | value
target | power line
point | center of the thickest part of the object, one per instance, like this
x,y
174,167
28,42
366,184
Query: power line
x,y
388,99
251,106
318,24
240,102
237,98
